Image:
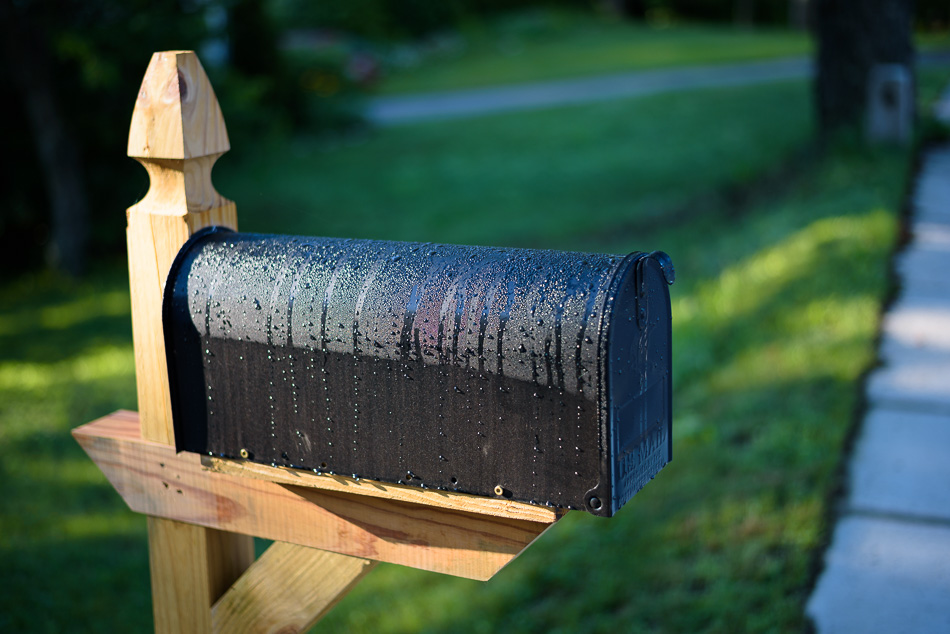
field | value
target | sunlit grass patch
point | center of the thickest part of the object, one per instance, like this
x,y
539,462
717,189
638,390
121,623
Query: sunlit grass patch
x,y
66,314
791,312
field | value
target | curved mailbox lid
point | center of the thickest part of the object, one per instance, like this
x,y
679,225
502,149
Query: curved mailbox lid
x,y
466,368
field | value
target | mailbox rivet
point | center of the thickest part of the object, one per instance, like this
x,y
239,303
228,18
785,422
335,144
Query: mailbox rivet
x,y
595,503
244,453
499,490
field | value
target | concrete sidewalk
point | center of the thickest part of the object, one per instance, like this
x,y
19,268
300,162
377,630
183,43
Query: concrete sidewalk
x,y
888,566
467,103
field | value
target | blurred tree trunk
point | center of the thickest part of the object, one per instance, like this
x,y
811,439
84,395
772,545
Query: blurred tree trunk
x,y
630,9
24,47
743,12
852,37
799,14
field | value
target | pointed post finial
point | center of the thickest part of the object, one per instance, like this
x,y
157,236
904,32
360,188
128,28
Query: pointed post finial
x,y
178,133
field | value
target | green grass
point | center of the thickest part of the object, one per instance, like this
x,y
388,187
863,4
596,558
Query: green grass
x,y
554,45
545,44
549,178
781,259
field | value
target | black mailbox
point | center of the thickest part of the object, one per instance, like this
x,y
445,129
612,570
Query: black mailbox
x,y
543,376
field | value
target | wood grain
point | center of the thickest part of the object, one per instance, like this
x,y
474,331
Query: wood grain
x,y
176,114
287,590
228,556
153,242
449,500
153,479
191,567
180,589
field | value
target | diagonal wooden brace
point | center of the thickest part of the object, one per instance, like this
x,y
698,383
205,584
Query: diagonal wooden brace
x,y
287,590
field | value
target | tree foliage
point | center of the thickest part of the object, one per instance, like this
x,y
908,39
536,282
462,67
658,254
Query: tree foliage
x,y
92,54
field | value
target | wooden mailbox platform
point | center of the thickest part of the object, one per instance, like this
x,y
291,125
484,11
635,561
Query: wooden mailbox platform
x,y
204,512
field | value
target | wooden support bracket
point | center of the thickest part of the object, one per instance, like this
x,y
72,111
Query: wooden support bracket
x,y
204,512
287,590
452,533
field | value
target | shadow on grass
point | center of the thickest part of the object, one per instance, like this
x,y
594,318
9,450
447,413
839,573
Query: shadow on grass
x,y
38,344
74,558
88,584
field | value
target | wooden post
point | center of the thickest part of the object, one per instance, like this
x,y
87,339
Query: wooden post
x,y
177,133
